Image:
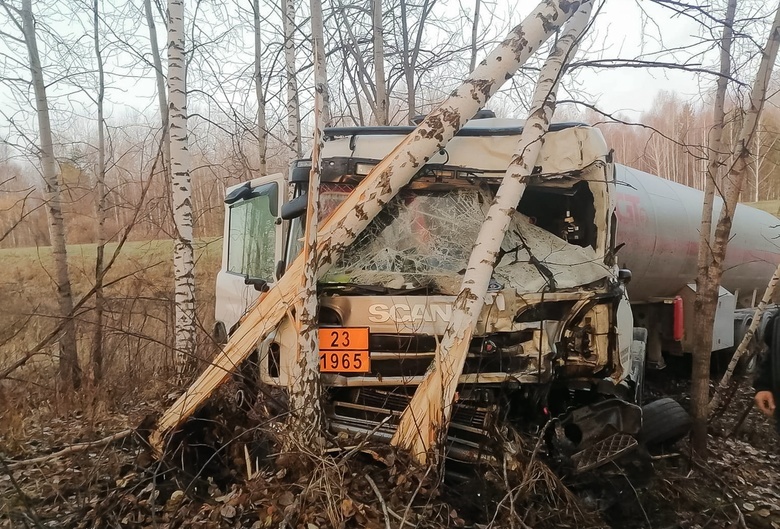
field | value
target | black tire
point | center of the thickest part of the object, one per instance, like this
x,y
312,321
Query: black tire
x,y
664,421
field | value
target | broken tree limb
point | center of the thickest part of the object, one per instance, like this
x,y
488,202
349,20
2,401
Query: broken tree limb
x,y
745,343
423,424
369,198
72,449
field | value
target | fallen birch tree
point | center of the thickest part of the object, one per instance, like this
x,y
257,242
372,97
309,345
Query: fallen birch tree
x,y
423,425
369,198
745,343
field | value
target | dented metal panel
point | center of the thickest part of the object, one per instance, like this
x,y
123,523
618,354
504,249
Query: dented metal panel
x,y
570,149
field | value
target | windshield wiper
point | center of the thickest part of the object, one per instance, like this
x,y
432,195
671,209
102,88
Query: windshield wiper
x,y
376,289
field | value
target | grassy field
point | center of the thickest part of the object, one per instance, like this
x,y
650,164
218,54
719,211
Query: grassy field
x,y
139,314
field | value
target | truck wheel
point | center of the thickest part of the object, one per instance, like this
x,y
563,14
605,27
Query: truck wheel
x,y
664,421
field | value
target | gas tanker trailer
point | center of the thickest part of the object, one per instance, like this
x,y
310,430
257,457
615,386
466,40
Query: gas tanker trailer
x,y
658,239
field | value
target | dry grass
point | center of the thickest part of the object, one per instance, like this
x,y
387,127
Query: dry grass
x,y
137,333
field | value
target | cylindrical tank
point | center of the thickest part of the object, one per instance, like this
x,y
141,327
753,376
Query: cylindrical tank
x,y
659,222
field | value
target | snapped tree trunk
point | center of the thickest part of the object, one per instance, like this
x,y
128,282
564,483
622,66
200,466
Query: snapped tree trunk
x,y
262,126
293,107
96,360
306,415
708,288
381,112
369,197
181,192
423,424
69,369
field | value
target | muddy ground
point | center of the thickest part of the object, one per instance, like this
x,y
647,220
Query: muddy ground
x,y
370,486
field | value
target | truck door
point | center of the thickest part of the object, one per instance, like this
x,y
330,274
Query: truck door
x,y
251,247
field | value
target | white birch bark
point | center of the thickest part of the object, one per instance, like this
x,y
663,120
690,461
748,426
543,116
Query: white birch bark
x,y
69,369
384,181
181,192
262,126
424,423
306,415
293,106
381,112
96,360
161,90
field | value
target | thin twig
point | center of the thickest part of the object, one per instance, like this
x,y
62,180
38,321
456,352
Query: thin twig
x,y
381,500
409,505
79,447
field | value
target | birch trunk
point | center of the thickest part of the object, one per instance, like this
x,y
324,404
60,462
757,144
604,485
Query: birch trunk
x,y
474,29
161,90
306,415
96,361
408,66
423,424
181,192
379,64
705,301
745,343
69,369
708,289
262,126
293,107
369,198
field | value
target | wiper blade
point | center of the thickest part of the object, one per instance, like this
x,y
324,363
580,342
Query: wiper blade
x,y
355,286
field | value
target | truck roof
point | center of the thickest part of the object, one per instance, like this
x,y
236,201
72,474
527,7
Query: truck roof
x,y
483,147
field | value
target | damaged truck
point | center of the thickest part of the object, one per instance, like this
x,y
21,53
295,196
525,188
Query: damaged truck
x,y
557,338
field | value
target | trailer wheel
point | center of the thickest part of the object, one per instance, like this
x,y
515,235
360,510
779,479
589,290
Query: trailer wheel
x,y
664,421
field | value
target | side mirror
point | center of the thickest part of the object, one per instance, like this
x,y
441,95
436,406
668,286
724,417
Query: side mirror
x,y
295,207
261,285
624,276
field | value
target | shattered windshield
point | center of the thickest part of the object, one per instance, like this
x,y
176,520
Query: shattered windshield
x,y
424,239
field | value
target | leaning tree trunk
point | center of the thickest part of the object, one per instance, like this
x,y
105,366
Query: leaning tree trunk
x,y
704,308
306,415
181,192
381,113
746,340
161,90
384,181
262,126
293,106
423,424
708,288
96,361
69,369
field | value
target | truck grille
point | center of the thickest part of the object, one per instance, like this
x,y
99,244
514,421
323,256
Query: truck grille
x,y
469,438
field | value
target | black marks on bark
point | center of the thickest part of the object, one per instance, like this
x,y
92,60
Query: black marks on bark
x,y
481,89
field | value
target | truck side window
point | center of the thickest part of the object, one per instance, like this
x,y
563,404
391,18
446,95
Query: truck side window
x,y
252,237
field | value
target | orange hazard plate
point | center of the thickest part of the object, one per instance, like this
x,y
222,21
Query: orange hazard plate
x,y
344,362
344,339
344,350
